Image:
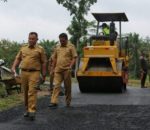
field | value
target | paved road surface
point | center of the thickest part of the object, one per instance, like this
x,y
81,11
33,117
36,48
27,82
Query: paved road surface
x,y
128,111
133,96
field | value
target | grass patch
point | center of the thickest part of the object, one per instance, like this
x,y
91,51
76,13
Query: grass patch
x,y
134,83
137,83
2,90
10,101
16,99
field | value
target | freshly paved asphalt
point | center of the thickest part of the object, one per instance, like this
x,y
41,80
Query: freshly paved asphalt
x,y
96,111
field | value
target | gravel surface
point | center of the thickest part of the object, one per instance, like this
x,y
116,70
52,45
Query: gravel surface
x,y
78,117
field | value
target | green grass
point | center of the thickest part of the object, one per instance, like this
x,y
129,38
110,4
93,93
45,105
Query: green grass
x,y
133,82
10,101
14,99
2,90
137,83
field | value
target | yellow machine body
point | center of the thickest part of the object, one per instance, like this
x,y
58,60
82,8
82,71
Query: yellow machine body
x,y
102,64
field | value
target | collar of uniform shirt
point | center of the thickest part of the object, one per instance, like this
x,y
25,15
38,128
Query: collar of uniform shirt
x,y
32,46
63,45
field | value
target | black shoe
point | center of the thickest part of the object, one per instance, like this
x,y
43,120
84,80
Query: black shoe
x,y
143,87
38,88
52,105
26,114
68,105
32,116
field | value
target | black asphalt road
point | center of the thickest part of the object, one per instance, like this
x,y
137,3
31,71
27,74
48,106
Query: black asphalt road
x,y
103,111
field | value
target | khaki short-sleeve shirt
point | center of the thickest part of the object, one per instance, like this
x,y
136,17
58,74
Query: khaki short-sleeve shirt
x,y
64,55
32,58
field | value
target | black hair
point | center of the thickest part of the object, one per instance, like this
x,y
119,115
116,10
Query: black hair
x,y
64,35
104,25
34,33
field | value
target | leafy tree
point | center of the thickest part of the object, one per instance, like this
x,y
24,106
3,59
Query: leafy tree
x,y
78,9
48,46
8,51
134,52
136,46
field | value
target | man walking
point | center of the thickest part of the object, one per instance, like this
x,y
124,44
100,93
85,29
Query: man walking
x,y
32,60
51,73
64,58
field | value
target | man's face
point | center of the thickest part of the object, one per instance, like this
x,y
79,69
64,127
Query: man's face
x,y
63,41
32,40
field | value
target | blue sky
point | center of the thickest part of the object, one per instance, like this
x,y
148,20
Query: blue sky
x,y
19,17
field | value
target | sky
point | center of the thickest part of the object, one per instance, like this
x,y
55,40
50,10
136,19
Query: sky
x,y
49,19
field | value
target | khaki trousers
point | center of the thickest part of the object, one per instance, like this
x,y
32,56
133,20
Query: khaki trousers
x,y
59,77
51,83
29,82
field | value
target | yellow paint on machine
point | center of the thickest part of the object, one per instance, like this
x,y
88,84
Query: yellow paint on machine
x,y
101,51
99,74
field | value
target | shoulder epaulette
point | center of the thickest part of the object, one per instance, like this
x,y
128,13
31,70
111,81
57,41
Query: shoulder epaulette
x,y
24,45
70,44
39,46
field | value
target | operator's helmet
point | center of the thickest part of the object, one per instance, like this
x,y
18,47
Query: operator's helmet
x,y
2,62
104,25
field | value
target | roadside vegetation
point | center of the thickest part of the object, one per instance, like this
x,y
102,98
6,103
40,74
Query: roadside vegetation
x,y
8,101
15,98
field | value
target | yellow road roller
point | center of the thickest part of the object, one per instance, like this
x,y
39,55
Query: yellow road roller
x,y
104,65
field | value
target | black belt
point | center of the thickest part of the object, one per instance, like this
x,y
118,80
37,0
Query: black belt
x,y
29,70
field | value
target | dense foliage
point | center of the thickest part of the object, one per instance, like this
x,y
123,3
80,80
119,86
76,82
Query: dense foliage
x,y
78,10
8,51
136,46
48,46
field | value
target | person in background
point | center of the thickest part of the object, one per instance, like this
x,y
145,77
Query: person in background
x,y
32,60
143,70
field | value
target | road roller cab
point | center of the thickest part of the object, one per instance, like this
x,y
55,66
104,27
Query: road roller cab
x,y
104,65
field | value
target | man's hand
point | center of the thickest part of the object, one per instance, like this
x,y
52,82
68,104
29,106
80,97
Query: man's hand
x,y
13,70
43,78
52,71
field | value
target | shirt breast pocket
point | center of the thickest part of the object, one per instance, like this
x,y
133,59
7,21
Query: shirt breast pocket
x,y
68,52
25,54
35,54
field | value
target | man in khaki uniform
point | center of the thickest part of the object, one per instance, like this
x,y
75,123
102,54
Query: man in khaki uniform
x,y
32,60
51,73
64,58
